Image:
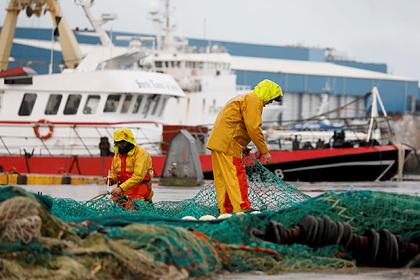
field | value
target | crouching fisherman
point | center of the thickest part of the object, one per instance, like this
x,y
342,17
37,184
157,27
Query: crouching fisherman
x,y
131,170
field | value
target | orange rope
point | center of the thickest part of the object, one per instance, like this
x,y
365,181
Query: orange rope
x,y
254,249
207,239
223,247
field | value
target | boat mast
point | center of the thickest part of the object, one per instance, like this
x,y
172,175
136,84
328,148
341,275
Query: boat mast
x,y
97,25
70,49
161,14
374,114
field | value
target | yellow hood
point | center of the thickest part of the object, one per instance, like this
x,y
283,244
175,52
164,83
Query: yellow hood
x,y
123,134
267,90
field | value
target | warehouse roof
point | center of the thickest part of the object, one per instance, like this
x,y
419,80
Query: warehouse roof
x,y
285,66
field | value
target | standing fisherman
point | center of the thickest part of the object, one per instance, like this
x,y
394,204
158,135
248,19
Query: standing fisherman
x,y
131,170
238,123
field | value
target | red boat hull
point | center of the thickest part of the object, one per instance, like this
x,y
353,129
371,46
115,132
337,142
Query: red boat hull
x,y
303,165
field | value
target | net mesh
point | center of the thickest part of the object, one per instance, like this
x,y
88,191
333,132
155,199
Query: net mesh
x,y
51,237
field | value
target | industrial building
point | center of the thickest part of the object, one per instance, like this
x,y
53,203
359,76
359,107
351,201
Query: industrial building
x,y
304,73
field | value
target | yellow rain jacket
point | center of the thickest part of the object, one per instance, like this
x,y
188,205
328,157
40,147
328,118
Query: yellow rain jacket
x,y
240,121
138,162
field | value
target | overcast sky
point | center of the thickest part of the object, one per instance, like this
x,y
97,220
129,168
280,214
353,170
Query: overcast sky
x,y
385,31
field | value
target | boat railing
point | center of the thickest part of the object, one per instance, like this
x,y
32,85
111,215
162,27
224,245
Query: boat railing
x,y
243,88
64,139
313,134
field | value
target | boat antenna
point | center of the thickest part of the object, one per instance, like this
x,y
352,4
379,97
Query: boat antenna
x,y
50,66
161,15
97,24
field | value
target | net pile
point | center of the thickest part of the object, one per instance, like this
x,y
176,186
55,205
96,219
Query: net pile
x,y
46,237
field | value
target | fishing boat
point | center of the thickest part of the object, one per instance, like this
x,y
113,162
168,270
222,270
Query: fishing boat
x,y
64,122
355,150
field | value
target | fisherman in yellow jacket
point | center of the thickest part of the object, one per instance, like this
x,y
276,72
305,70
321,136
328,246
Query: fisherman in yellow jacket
x,y
238,123
131,169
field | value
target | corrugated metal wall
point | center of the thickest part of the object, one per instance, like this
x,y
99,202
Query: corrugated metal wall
x,y
397,95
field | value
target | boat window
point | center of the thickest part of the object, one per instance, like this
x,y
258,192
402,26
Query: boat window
x,y
158,64
178,64
126,103
53,104
146,105
155,104
27,104
137,104
72,104
173,64
91,105
162,108
167,64
112,102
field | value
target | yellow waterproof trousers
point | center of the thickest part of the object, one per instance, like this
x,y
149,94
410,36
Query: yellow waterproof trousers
x,y
230,182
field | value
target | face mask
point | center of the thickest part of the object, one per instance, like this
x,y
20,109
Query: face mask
x,y
124,147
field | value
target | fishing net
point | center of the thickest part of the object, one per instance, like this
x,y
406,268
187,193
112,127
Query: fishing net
x,y
46,237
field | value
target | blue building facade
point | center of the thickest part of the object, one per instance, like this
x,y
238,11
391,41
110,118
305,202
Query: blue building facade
x,y
399,95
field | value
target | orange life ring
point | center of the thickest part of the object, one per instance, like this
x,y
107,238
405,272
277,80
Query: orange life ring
x,y
43,122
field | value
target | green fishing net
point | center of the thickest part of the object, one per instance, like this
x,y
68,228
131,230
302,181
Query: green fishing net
x,y
46,237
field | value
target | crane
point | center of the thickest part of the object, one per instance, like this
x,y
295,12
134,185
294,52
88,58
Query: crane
x,y
69,46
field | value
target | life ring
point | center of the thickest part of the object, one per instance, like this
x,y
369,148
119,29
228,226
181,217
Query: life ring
x,y
43,122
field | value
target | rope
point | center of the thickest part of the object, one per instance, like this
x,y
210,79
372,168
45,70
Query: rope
x,y
19,220
99,196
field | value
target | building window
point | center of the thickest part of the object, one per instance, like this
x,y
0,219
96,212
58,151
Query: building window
x,y
72,104
91,105
27,104
53,104
112,103
417,108
126,103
